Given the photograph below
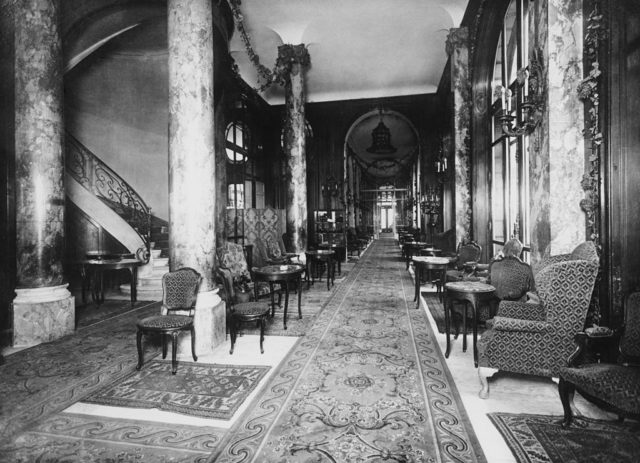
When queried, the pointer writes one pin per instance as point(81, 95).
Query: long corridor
point(360, 378)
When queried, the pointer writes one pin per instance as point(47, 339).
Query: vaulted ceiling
point(358, 48)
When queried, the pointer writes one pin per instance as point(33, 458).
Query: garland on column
point(589, 92)
point(266, 74)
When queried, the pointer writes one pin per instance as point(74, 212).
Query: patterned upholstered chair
point(468, 253)
point(238, 313)
point(613, 386)
point(231, 256)
point(179, 295)
point(537, 339)
point(268, 252)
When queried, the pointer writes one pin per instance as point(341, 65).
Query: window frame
point(514, 203)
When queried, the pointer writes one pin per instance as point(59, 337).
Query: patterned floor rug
point(210, 391)
point(367, 383)
point(83, 438)
point(540, 438)
point(44, 379)
point(90, 313)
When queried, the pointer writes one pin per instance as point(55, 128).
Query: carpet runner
point(540, 438)
point(368, 383)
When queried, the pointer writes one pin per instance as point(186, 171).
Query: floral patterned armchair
point(231, 257)
point(614, 386)
point(537, 338)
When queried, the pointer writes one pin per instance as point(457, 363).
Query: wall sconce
point(533, 104)
point(330, 188)
point(441, 163)
point(430, 202)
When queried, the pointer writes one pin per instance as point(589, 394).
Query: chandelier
point(381, 139)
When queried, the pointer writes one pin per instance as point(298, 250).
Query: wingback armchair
point(537, 338)
point(614, 386)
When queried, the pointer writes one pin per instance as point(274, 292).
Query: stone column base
point(42, 315)
point(210, 323)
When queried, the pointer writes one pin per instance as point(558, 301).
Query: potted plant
point(242, 288)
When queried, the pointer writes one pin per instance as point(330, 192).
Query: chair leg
point(566, 391)
point(483, 375)
point(262, 323)
point(164, 345)
point(193, 344)
point(139, 346)
point(233, 331)
point(174, 351)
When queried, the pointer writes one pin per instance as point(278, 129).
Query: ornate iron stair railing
point(97, 177)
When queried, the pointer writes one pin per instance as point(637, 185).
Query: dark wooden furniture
point(411, 248)
point(340, 253)
point(317, 260)
point(431, 264)
point(473, 292)
point(614, 386)
point(93, 270)
point(241, 312)
point(285, 275)
point(179, 295)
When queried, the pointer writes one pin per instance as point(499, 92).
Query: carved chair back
point(180, 290)
point(468, 251)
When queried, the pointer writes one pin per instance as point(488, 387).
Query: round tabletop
point(279, 271)
point(470, 287)
point(321, 252)
point(431, 260)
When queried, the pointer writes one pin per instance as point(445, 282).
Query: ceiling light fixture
point(381, 139)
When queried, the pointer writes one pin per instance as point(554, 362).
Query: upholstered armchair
point(613, 386)
point(268, 252)
point(468, 252)
point(231, 256)
point(537, 338)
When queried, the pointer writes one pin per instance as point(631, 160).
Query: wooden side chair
point(179, 295)
point(614, 386)
point(242, 312)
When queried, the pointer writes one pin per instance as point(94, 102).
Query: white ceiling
point(358, 48)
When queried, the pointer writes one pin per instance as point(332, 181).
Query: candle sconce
point(430, 205)
point(442, 164)
point(533, 104)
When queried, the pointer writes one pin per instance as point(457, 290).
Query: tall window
point(237, 147)
point(510, 155)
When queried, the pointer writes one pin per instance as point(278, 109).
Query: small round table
point(410, 248)
point(438, 264)
point(314, 258)
point(340, 253)
point(284, 274)
point(473, 292)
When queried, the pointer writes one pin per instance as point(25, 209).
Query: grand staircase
point(116, 207)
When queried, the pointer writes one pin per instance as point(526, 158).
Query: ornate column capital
point(457, 37)
point(290, 55)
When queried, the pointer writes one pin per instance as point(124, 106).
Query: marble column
point(458, 49)
point(557, 145)
point(43, 309)
point(192, 161)
point(292, 62)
